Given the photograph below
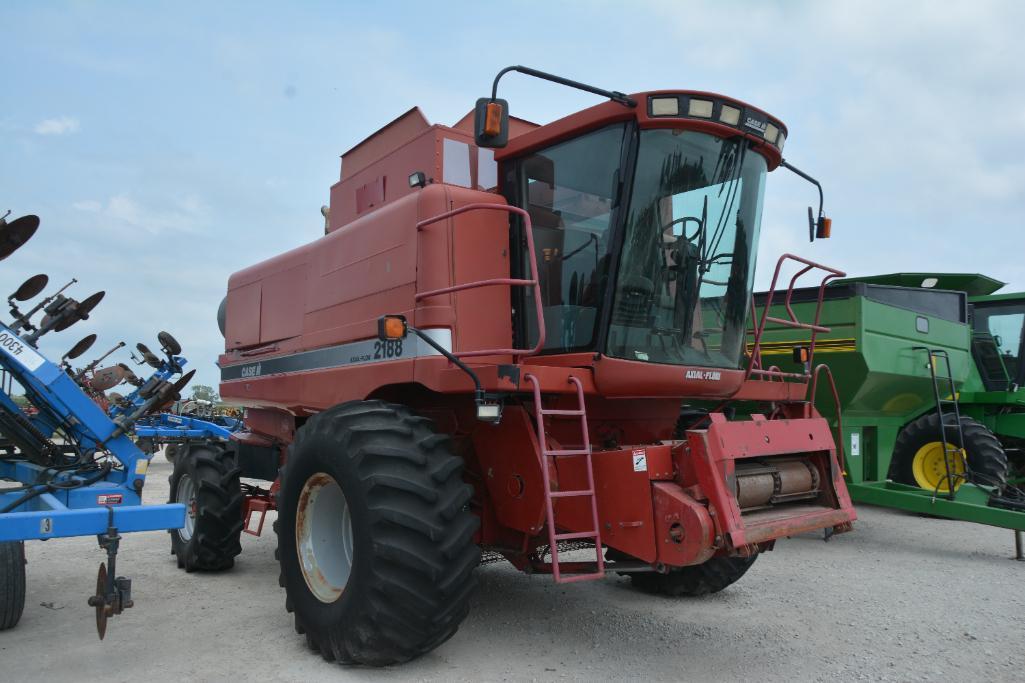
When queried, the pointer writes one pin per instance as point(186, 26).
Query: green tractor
point(930, 389)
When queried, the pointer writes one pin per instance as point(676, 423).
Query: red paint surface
point(375, 260)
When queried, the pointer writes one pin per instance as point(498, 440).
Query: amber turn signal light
point(825, 227)
point(391, 327)
point(801, 354)
point(493, 119)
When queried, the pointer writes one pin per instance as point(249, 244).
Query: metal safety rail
point(754, 366)
point(840, 452)
point(491, 282)
point(554, 536)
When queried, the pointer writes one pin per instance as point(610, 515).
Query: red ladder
point(553, 535)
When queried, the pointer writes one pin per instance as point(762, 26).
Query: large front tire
point(206, 481)
point(375, 540)
point(12, 583)
point(918, 455)
point(710, 576)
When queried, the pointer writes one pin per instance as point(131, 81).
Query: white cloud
point(88, 205)
point(122, 214)
point(62, 125)
point(918, 145)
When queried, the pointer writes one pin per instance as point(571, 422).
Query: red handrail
point(754, 366)
point(836, 401)
point(533, 282)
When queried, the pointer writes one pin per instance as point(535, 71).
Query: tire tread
point(423, 550)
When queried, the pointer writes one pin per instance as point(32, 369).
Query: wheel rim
point(930, 470)
point(186, 495)
point(323, 537)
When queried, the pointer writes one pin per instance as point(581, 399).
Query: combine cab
point(489, 350)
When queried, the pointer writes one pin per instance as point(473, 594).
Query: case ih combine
point(491, 349)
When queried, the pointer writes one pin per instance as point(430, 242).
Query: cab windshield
point(1004, 326)
point(686, 269)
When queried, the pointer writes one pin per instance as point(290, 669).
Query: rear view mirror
point(491, 122)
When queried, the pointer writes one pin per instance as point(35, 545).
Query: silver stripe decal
point(354, 353)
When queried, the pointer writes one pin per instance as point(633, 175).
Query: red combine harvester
point(524, 339)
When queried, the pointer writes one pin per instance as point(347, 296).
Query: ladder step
point(573, 578)
point(576, 534)
point(566, 452)
point(567, 494)
point(577, 413)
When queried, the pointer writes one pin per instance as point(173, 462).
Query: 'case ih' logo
point(707, 375)
point(756, 124)
point(251, 371)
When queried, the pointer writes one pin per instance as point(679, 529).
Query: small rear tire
point(206, 481)
point(12, 583)
point(375, 540)
point(172, 450)
point(700, 579)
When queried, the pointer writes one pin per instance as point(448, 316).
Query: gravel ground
point(901, 598)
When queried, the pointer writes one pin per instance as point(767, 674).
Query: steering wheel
point(683, 220)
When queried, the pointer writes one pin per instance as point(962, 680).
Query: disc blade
point(80, 312)
point(148, 356)
point(31, 287)
point(174, 391)
point(81, 347)
point(101, 601)
point(16, 233)
point(87, 306)
point(183, 380)
point(107, 378)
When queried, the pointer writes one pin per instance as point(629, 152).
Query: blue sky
point(166, 145)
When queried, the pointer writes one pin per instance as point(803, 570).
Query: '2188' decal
point(387, 349)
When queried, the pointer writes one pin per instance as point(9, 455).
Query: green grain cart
point(931, 390)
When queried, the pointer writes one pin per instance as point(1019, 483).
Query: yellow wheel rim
point(930, 469)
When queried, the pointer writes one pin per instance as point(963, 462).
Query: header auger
point(519, 339)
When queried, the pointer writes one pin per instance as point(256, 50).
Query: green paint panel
point(884, 383)
point(971, 283)
point(969, 506)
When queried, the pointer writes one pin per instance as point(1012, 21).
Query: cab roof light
point(750, 121)
point(665, 106)
point(730, 115)
point(700, 108)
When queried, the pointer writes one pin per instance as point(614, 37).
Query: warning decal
point(640, 460)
